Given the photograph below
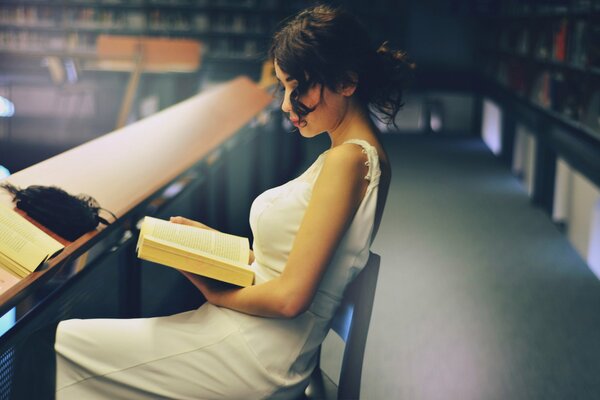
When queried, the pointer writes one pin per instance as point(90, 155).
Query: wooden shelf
point(81, 54)
point(219, 58)
point(241, 29)
point(541, 13)
point(545, 62)
point(550, 115)
point(146, 5)
point(167, 30)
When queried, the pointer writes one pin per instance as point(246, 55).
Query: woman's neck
point(356, 124)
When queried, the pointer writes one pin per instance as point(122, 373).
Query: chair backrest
point(351, 323)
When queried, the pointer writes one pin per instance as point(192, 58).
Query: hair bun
point(393, 74)
point(397, 60)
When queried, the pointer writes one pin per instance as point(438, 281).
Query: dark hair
point(329, 46)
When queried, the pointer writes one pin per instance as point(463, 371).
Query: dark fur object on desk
point(66, 215)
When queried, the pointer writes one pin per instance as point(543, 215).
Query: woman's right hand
point(190, 222)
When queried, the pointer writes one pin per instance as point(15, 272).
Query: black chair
point(351, 323)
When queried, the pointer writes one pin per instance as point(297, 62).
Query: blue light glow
point(7, 321)
point(7, 108)
point(4, 172)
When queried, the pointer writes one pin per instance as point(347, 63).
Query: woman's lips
point(295, 122)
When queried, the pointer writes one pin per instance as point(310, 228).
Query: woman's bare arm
point(336, 195)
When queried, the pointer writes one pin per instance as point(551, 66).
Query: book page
point(15, 243)
point(196, 262)
point(230, 247)
point(169, 249)
point(7, 280)
point(12, 221)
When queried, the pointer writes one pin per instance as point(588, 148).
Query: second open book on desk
point(200, 251)
point(23, 246)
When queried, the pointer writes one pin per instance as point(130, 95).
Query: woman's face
point(329, 112)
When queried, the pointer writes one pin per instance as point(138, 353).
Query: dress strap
point(372, 159)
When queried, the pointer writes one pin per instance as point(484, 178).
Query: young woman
point(311, 237)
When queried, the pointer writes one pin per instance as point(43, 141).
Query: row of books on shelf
point(232, 48)
point(89, 17)
point(576, 42)
point(569, 95)
point(214, 4)
point(25, 42)
point(558, 7)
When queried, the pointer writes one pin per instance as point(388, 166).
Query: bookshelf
point(38, 34)
point(547, 53)
point(540, 64)
point(229, 29)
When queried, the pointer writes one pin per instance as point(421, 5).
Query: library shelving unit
point(233, 36)
point(38, 37)
point(231, 30)
point(542, 67)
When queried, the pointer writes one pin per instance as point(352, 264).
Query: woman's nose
point(286, 105)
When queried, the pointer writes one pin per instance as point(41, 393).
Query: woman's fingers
point(179, 220)
point(187, 221)
point(184, 221)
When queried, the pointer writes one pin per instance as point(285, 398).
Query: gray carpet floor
point(479, 296)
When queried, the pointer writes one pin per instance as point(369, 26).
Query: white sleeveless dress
point(215, 352)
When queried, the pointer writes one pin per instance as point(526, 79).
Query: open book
point(200, 251)
point(23, 246)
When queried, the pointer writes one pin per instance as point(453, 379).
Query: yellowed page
point(230, 247)
point(241, 276)
point(172, 248)
point(14, 222)
point(7, 280)
point(14, 267)
point(15, 240)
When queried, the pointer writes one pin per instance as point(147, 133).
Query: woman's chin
point(302, 130)
point(307, 133)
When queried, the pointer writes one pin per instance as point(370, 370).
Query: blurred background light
point(4, 172)
point(7, 108)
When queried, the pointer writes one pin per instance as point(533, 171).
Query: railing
point(203, 158)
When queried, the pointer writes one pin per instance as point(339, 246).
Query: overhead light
point(7, 108)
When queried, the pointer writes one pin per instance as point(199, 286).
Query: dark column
point(545, 170)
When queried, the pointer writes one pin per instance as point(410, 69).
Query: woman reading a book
point(311, 238)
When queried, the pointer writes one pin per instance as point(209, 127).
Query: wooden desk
point(125, 168)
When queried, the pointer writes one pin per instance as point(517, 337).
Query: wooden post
point(132, 85)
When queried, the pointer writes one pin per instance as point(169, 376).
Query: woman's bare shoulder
point(346, 160)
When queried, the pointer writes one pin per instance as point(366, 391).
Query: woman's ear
point(348, 88)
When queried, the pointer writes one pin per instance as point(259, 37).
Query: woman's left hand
point(211, 289)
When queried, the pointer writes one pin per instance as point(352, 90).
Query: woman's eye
point(279, 89)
